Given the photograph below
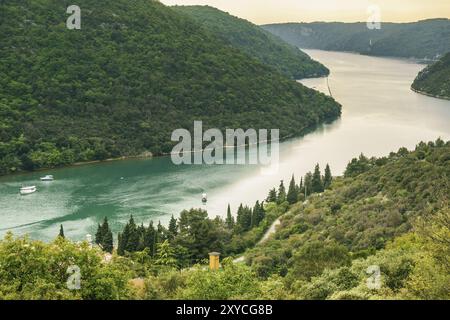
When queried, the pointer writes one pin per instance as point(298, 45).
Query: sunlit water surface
point(380, 114)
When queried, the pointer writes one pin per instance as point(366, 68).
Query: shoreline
point(429, 94)
point(149, 155)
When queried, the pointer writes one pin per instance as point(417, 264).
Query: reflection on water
point(380, 114)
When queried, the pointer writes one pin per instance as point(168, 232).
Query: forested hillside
point(389, 214)
point(136, 71)
point(427, 39)
point(256, 42)
point(384, 212)
point(434, 80)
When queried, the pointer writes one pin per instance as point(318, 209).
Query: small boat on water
point(28, 190)
point(48, 177)
point(204, 198)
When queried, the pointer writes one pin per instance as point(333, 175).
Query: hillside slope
point(352, 225)
point(256, 42)
point(388, 215)
point(427, 39)
point(434, 80)
point(135, 72)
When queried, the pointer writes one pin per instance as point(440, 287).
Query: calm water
point(380, 114)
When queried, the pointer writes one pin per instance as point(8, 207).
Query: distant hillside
point(434, 80)
point(425, 39)
point(256, 42)
point(136, 71)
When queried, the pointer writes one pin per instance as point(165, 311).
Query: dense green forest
point(434, 80)
point(389, 214)
point(426, 39)
point(256, 42)
point(136, 71)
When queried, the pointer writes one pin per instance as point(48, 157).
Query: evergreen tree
point(173, 228)
point(272, 197)
point(120, 245)
point(99, 235)
point(327, 178)
point(230, 219)
point(141, 234)
point(149, 238)
point(162, 232)
point(129, 238)
point(165, 255)
point(281, 193)
point(308, 184)
point(316, 183)
point(244, 218)
point(61, 232)
point(108, 242)
point(258, 214)
point(292, 195)
point(104, 237)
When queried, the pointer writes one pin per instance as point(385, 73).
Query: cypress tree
point(149, 238)
point(308, 184)
point(247, 218)
point(258, 214)
point(120, 245)
point(108, 242)
point(230, 219)
point(272, 197)
point(316, 183)
point(99, 235)
point(327, 178)
point(104, 237)
point(292, 195)
point(141, 234)
point(173, 228)
point(161, 232)
point(61, 232)
point(244, 218)
point(281, 193)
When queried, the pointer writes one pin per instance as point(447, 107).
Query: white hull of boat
point(28, 190)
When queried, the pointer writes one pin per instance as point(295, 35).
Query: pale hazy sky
point(269, 11)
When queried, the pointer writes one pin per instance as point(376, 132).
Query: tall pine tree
point(173, 228)
point(308, 184)
point(281, 193)
point(316, 183)
point(272, 197)
point(258, 214)
point(244, 219)
point(61, 232)
point(230, 219)
point(292, 195)
point(327, 177)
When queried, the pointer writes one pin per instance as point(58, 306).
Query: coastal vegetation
point(434, 80)
point(120, 85)
point(389, 214)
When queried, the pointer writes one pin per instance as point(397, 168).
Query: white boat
point(204, 198)
point(48, 177)
point(27, 190)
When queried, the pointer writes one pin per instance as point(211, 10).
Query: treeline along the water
point(136, 71)
point(435, 79)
